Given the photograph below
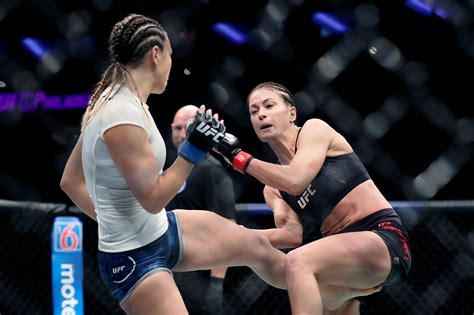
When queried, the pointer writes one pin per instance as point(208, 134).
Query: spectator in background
point(210, 187)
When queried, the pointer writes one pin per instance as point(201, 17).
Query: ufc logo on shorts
point(304, 199)
point(118, 269)
point(209, 131)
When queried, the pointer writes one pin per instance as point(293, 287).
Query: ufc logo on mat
point(209, 131)
point(304, 199)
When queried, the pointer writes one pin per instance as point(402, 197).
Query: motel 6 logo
point(68, 237)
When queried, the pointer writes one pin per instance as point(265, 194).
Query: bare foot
point(334, 296)
point(351, 307)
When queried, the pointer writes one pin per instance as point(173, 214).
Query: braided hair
point(129, 41)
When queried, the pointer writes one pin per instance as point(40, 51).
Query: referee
point(209, 186)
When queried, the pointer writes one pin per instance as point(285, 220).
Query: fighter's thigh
point(210, 240)
point(357, 260)
point(156, 294)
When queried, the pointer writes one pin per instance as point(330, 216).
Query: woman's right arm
point(132, 153)
point(289, 231)
point(73, 182)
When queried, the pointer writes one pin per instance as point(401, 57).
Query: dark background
point(412, 124)
point(398, 85)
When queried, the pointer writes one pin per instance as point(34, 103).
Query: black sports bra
point(337, 177)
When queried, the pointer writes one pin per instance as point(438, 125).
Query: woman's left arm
point(313, 144)
point(73, 182)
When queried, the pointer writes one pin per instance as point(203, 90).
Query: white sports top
point(123, 223)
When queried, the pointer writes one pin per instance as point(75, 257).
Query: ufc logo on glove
point(209, 131)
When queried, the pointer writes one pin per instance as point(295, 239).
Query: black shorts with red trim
point(387, 224)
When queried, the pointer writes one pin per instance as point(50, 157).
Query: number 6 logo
point(69, 240)
point(67, 236)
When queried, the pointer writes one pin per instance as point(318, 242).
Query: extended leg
point(211, 241)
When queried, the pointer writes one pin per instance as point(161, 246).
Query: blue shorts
point(123, 271)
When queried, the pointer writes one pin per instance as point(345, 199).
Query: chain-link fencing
point(441, 280)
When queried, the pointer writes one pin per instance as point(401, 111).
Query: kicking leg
point(210, 241)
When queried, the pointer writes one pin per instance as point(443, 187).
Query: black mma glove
point(215, 296)
point(202, 134)
point(229, 147)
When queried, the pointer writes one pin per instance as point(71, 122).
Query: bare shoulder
point(316, 130)
point(320, 131)
point(315, 123)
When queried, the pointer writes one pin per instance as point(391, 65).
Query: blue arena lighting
point(230, 32)
point(442, 13)
point(330, 23)
point(427, 9)
point(420, 7)
point(34, 46)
